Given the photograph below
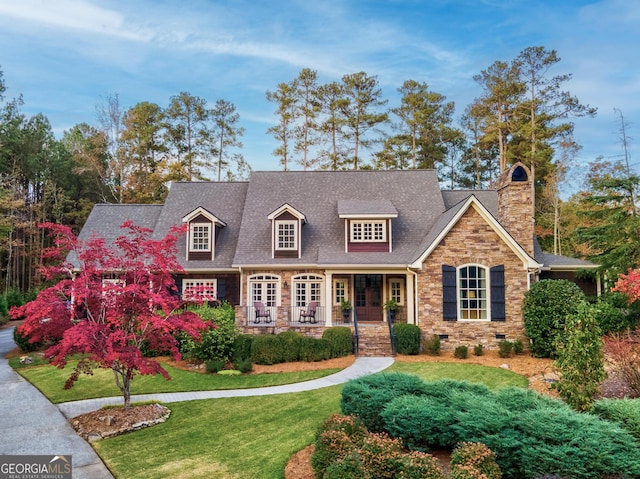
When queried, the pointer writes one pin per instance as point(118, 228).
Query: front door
point(368, 296)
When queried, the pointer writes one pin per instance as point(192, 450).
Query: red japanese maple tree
point(109, 301)
point(629, 284)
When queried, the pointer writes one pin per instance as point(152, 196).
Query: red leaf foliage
point(108, 320)
point(629, 284)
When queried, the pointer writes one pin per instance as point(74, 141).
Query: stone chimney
point(515, 205)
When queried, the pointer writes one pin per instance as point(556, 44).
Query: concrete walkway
point(30, 424)
point(362, 366)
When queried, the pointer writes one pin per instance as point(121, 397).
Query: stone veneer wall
point(515, 207)
point(471, 241)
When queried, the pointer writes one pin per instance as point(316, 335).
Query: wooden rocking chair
point(261, 311)
point(309, 314)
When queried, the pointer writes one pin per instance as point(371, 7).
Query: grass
point(234, 438)
point(492, 377)
point(50, 381)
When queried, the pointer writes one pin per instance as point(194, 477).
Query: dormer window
point(367, 225)
point(368, 231)
point(286, 227)
point(201, 237)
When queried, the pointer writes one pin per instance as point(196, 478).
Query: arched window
point(307, 288)
point(264, 288)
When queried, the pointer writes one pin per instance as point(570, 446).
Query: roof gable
point(287, 207)
point(207, 214)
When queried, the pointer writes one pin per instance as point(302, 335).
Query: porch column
point(328, 298)
point(410, 299)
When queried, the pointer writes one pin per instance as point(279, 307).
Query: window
point(307, 288)
point(205, 289)
point(286, 235)
point(200, 237)
point(396, 291)
point(264, 288)
point(368, 231)
point(340, 291)
point(472, 292)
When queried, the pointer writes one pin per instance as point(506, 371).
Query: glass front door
point(368, 297)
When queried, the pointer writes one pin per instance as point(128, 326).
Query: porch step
point(373, 340)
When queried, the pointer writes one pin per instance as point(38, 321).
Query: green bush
point(614, 314)
point(340, 341)
point(381, 456)
point(312, 349)
point(531, 437)
point(472, 460)
point(291, 344)
point(461, 352)
point(22, 341)
point(581, 359)
point(505, 349)
point(478, 350)
point(545, 308)
point(432, 345)
point(625, 412)
point(349, 467)
point(407, 338)
point(214, 365)
point(243, 365)
point(216, 342)
point(420, 465)
point(242, 347)
point(266, 349)
point(518, 347)
point(366, 397)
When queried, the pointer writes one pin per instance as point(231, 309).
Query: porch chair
point(261, 311)
point(309, 314)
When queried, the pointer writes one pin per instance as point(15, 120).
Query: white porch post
point(410, 299)
point(328, 298)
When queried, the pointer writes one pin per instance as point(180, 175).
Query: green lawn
point(50, 380)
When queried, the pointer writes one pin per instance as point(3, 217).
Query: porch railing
point(301, 316)
point(266, 318)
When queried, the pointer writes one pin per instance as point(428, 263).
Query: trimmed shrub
point(461, 352)
point(291, 344)
point(381, 456)
point(23, 343)
point(336, 438)
point(367, 397)
point(505, 349)
point(214, 365)
point(545, 308)
point(420, 465)
point(242, 347)
point(217, 342)
point(407, 338)
point(625, 412)
point(312, 349)
point(473, 460)
point(520, 400)
point(349, 467)
point(432, 345)
point(518, 347)
point(614, 314)
point(243, 365)
point(478, 350)
point(340, 341)
point(266, 349)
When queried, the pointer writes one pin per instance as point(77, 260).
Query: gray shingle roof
point(554, 261)
point(366, 207)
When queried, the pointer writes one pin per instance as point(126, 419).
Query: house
point(287, 248)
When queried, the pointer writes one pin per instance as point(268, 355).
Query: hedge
point(407, 338)
point(340, 341)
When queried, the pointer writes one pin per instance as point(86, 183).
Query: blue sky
point(65, 56)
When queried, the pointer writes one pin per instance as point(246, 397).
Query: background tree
point(478, 163)
point(285, 99)
point(110, 115)
point(331, 128)
point(107, 322)
point(308, 107)
point(224, 134)
point(361, 110)
point(610, 228)
point(186, 118)
point(143, 147)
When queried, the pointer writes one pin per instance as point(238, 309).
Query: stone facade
point(515, 205)
point(471, 241)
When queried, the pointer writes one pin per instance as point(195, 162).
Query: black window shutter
point(449, 293)
point(222, 290)
point(498, 312)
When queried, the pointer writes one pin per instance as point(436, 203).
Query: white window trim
point(308, 278)
point(345, 281)
point(294, 223)
point(383, 239)
point(487, 300)
point(263, 279)
point(209, 228)
point(200, 283)
point(402, 292)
